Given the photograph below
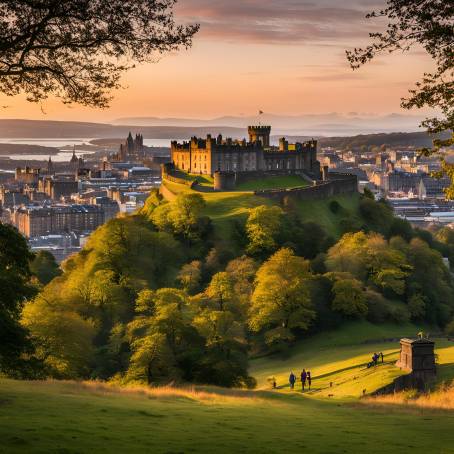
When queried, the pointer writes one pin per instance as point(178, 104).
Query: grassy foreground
point(69, 417)
point(72, 418)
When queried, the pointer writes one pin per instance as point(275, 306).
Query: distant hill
point(35, 129)
point(7, 149)
point(399, 139)
point(72, 129)
point(327, 124)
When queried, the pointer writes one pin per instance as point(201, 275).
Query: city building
point(58, 185)
point(27, 175)
point(430, 187)
point(39, 220)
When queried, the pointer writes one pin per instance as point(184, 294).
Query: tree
point(225, 360)
point(349, 298)
point(182, 217)
point(190, 276)
point(281, 300)
point(160, 336)
point(262, 228)
point(370, 259)
point(14, 289)
point(44, 267)
point(77, 50)
point(62, 337)
point(220, 290)
point(427, 23)
point(242, 273)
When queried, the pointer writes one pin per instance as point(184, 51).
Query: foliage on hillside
point(158, 296)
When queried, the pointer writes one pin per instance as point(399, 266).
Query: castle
point(210, 156)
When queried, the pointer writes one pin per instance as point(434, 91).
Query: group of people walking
point(306, 378)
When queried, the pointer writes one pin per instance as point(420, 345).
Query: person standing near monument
point(309, 379)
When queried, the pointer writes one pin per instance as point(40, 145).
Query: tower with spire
point(50, 166)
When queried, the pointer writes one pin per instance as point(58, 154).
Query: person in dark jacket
point(292, 380)
point(309, 379)
point(303, 379)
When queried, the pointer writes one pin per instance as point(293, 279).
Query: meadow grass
point(439, 399)
point(273, 182)
point(319, 211)
point(49, 417)
point(92, 417)
point(338, 360)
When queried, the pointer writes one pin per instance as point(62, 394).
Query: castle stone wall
point(340, 184)
point(224, 181)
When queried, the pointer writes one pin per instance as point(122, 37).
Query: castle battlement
point(210, 155)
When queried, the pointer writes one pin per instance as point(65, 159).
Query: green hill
point(224, 208)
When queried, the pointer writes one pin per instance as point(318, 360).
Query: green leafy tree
point(225, 360)
point(262, 228)
point(349, 298)
point(220, 290)
point(160, 336)
point(370, 259)
point(242, 272)
point(281, 300)
point(14, 289)
point(181, 217)
point(78, 50)
point(417, 306)
point(431, 279)
point(44, 267)
point(63, 339)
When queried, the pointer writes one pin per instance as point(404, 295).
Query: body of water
point(59, 143)
point(64, 155)
point(61, 156)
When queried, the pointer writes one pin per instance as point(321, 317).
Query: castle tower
point(260, 134)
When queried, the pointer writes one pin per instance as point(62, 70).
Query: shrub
point(335, 206)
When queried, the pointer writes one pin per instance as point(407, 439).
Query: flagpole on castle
point(260, 113)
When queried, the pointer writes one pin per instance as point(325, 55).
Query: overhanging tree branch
point(77, 50)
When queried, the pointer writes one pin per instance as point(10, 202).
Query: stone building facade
point(211, 155)
point(34, 221)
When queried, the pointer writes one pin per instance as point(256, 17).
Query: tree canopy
point(15, 288)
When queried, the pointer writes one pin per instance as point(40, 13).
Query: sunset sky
point(280, 56)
